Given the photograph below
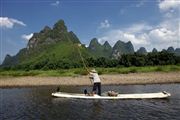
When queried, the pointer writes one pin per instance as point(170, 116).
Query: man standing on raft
point(96, 80)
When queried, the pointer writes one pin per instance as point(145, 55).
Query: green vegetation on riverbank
point(81, 71)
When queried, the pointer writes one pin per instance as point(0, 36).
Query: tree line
point(128, 60)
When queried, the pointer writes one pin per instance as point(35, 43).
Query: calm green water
point(37, 104)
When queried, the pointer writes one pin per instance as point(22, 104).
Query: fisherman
point(96, 80)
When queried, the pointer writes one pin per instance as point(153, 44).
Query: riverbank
point(107, 79)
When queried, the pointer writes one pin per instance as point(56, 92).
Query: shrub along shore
point(80, 71)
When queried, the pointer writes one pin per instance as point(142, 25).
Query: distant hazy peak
point(142, 50)
point(106, 43)
point(94, 40)
point(154, 50)
point(170, 49)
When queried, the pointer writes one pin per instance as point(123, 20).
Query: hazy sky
point(147, 23)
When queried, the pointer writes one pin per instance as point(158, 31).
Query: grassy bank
point(80, 71)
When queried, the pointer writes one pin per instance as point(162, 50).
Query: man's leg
point(99, 89)
point(94, 87)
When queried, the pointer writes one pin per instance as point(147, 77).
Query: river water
point(37, 104)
